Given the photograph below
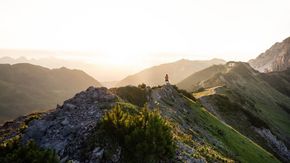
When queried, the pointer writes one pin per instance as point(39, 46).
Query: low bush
point(14, 152)
point(143, 137)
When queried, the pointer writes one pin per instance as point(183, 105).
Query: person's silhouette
point(166, 79)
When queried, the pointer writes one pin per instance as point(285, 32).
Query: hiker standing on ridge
point(166, 79)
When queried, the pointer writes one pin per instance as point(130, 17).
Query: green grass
point(244, 149)
point(248, 89)
point(268, 104)
point(266, 100)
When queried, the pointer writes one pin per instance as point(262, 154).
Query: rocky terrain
point(198, 134)
point(277, 58)
point(66, 128)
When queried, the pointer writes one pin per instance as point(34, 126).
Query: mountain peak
point(287, 40)
point(277, 58)
point(183, 60)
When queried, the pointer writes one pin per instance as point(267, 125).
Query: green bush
point(144, 137)
point(14, 152)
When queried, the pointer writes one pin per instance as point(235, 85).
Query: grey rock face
point(274, 143)
point(97, 155)
point(66, 128)
point(11, 129)
point(277, 58)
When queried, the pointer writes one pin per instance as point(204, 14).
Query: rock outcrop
point(66, 128)
point(274, 143)
point(277, 58)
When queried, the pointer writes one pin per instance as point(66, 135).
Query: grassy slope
point(250, 85)
point(208, 131)
point(279, 80)
point(266, 100)
point(205, 74)
point(245, 150)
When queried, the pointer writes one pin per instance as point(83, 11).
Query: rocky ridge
point(65, 129)
point(277, 58)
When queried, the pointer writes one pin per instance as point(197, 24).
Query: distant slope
point(279, 80)
point(45, 59)
point(277, 58)
point(245, 99)
point(203, 75)
point(27, 88)
point(177, 71)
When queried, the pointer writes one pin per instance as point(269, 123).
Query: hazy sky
point(143, 33)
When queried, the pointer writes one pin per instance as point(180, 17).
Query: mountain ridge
point(177, 71)
point(26, 88)
point(276, 58)
point(240, 96)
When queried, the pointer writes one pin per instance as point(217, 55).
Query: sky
point(132, 34)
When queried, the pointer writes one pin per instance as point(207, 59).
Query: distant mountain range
point(277, 58)
point(177, 71)
point(54, 63)
point(27, 88)
point(55, 59)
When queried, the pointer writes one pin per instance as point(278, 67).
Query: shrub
point(144, 137)
point(13, 151)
